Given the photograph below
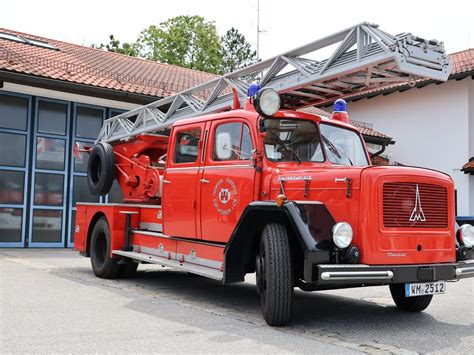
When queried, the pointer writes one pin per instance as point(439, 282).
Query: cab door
point(227, 178)
point(180, 184)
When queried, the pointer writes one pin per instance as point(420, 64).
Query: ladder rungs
point(363, 50)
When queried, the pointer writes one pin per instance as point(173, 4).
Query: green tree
point(114, 45)
point(236, 51)
point(187, 41)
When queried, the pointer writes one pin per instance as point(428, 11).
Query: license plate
point(429, 288)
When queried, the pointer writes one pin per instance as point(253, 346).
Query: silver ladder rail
point(365, 58)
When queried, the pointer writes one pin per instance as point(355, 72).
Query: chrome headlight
point(342, 234)
point(465, 235)
point(267, 102)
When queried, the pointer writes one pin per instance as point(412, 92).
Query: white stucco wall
point(471, 142)
point(431, 127)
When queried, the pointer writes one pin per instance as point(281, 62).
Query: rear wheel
point(275, 275)
point(409, 304)
point(128, 270)
point(103, 265)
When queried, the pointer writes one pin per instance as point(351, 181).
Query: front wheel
point(409, 304)
point(275, 275)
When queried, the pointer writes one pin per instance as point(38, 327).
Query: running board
point(175, 264)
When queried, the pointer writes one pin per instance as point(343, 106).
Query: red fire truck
point(228, 179)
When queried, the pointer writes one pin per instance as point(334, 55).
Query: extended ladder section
point(359, 58)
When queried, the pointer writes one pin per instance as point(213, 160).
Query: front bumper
point(359, 274)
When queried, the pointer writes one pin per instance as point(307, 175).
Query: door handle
point(204, 181)
point(166, 181)
point(348, 182)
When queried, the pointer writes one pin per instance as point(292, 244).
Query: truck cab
point(284, 194)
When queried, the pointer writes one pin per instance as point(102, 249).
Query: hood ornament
point(417, 214)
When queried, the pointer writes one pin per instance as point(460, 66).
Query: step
point(175, 264)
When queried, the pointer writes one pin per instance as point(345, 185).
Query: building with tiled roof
point(82, 68)
point(433, 124)
point(54, 94)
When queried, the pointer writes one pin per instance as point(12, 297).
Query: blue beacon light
point(340, 105)
point(253, 89)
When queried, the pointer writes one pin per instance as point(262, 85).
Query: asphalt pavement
point(51, 302)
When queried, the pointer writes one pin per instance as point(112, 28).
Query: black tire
point(275, 275)
point(103, 265)
point(409, 304)
point(101, 169)
point(128, 270)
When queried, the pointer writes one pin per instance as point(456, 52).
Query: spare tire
point(101, 169)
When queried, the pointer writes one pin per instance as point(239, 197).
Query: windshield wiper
point(334, 150)
point(332, 147)
point(285, 147)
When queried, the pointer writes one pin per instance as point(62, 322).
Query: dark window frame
point(349, 129)
point(53, 102)
point(25, 169)
point(318, 133)
point(242, 130)
point(177, 137)
point(28, 112)
point(72, 172)
point(64, 173)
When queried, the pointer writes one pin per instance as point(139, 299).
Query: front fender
point(309, 225)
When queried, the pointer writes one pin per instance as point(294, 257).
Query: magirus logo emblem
point(417, 214)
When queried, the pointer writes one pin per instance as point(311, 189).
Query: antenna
point(258, 30)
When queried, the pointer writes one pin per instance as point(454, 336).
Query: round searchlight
point(342, 234)
point(267, 102)
point(466, 235)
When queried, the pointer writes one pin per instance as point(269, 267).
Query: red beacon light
point(340, 111)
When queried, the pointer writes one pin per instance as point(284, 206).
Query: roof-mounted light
point(253, 89)
point(340, 105)
point(267, 102)
point(340, 111)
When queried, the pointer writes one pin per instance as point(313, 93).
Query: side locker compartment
point(151, 244)
point(87, 216)
point(151, 219)
point(202, 254)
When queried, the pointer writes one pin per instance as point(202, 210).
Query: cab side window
point(186, 148)
point(232, 141)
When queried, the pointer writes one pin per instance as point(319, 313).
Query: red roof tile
point(95, 67)
point(363, 128)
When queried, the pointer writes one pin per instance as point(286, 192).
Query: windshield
point(343, 146)
point(292, 140)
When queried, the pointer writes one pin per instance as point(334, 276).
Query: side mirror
point(223, 146)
